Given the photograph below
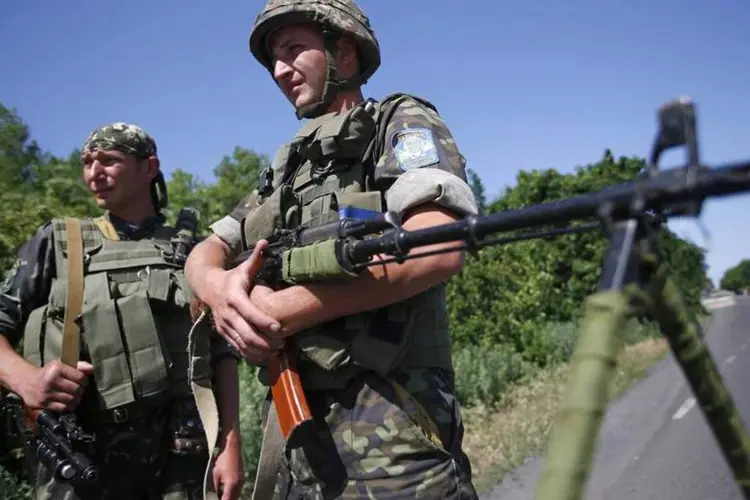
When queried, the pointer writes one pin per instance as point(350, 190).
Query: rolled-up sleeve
point(431, 185)
point(229, 227)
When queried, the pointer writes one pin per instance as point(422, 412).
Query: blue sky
point(522, 84)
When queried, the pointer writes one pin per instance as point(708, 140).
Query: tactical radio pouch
point(182, 242)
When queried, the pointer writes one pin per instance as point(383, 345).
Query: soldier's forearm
point(303, 306)
point(204, 265)
point(226, 381)
point(13, 368)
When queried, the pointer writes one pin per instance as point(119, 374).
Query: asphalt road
point(655, 442)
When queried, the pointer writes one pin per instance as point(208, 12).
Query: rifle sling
point(271, 452)
point(71, 336)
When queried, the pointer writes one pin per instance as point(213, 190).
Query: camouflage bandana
point(123, 137)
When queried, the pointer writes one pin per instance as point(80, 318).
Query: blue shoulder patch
point(414, 148)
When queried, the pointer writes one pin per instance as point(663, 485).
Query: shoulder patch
point(414, 148)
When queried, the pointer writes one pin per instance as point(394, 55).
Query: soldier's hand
point(56, 387)
point(228, 473)
point(240, 321)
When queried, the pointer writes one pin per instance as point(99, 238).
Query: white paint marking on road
point(730, 360)
point(718, 303)
point(684, 409)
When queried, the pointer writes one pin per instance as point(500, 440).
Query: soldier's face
point(299, 61)
point(117, 179)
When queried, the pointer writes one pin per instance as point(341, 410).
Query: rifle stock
point(286, 387)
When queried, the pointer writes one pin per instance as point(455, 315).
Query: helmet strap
point(333, 85)
point(159, 197)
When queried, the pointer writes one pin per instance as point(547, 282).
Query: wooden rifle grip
point(286, 388)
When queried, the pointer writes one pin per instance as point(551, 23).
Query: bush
point(13, 487)
point(482, 374)
point(252, 395)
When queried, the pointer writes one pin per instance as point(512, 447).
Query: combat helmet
point(336, 17)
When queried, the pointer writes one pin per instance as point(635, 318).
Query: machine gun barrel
point(665, 192)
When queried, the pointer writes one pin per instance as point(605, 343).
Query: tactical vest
point(330, 171)
point(135, 317)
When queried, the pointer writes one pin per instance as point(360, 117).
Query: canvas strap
point(71, 337)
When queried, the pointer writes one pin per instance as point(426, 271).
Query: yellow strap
point(107, 229)
point(418, 413)
point(71, 337)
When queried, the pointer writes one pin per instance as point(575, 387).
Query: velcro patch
point(414, 148)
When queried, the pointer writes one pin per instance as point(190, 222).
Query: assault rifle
point(55, 441)
point(635, 281)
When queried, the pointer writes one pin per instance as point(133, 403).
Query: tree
point(35, 186)
point(236, 177)
point(508, 293)
point(736, 278)
point(477, 187)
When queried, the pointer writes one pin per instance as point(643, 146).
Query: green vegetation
point(737, 278)
point(514, 309)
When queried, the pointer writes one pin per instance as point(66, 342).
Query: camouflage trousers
point(144, 458)
point(381, 440)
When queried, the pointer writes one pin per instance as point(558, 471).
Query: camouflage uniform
point(372, 440)
point(141, 453)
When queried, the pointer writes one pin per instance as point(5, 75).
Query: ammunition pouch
point(337, 137)
point(276, 211)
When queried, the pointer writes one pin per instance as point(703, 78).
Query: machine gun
point(54, 441)
point(635, 282)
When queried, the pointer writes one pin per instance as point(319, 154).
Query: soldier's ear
point(152, 165)
point(346, 56)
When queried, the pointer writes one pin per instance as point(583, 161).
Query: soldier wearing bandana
point(128, 382)
point(373, 348)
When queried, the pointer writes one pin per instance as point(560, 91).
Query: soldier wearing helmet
point(373, 348)
point(121, 367)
